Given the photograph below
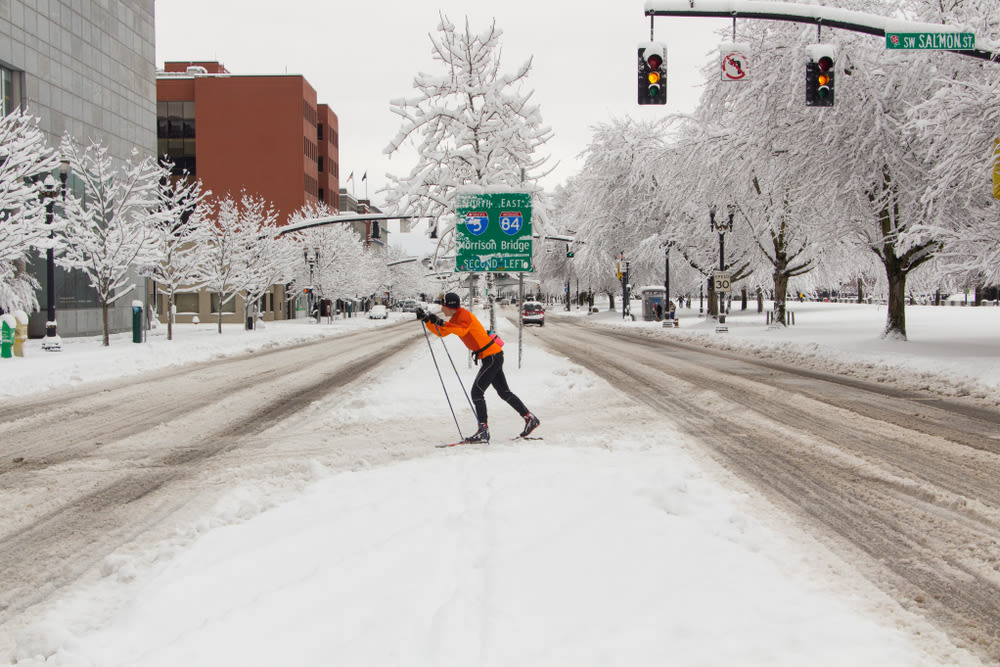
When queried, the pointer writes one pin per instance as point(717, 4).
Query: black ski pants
point(491, 373)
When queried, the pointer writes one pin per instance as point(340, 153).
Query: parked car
point(408, 305)
point(533, 313)
point(378, 312)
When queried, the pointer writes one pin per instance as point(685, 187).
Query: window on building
point(175, 135)
point(319, 164)
point(319, 132)
point(266, 304)
point(10, 90)
point(322, 195)
point(309, 113)
point(309, 148)
point(228, 307)
point(186, 303)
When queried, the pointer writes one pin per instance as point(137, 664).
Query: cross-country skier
point(488, 352)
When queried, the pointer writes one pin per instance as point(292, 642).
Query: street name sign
point(941, 41)
point(493, 232)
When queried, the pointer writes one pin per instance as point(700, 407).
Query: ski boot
point(531, 422)
point(480, 436)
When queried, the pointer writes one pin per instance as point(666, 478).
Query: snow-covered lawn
point(614, 541)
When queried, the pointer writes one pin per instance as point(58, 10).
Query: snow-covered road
point(901, 483)
point(87, 470)
point(288, 507)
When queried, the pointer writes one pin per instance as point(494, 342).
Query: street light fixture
point(311, 258)
point(48, 192)
point(722, 228)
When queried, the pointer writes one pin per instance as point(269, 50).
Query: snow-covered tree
point(266, 259)
point(180, 239)
point(958, 123)
point(339, 259)
point(108, 230)
point(233, 243)
point(24, 159)
point(470, 124)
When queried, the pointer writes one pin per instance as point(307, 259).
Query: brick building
point(263, 133)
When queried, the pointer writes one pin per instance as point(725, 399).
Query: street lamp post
point(49, 191)
point(722, 228)
point(666, 277)
point(311, 257)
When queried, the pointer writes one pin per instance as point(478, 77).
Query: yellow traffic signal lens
point(824, 79)
point(654, 77)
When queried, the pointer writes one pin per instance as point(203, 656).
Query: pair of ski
point(464, 442)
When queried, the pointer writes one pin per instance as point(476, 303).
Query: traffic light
point(820, 77)
point(652, 73)
point(569, 251)
point(376, 233)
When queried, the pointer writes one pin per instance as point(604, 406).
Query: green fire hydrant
point(7, 336)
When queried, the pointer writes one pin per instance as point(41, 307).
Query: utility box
point(137, 321)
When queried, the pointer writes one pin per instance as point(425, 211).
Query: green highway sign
point(942, 41)
point(493, 232)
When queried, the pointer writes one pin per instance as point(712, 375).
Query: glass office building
point(85, 68)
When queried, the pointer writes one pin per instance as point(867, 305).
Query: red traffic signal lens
point(654, 61)
point(825, 63)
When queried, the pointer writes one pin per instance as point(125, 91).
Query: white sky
point(358, 56)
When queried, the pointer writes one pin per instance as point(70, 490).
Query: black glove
point(435, 320)
point(421, 315)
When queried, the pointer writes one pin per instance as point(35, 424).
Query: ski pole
point(446, 397)
point(460, 383)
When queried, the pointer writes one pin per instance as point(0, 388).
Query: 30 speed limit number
point(722, 281)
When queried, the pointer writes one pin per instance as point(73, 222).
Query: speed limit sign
point(722, 281)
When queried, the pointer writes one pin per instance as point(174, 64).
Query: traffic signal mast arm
point(830, 17)
point(334, 219)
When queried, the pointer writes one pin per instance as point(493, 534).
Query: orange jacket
point(467, 326)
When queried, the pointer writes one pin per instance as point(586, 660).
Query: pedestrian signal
point(652, 73)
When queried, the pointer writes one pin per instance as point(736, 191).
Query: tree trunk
point(760, 300)
point(744, 298)
point(219, 318)
point(611, 297)
point(104, 315)
point(170, 315)
point(861, 291)
point(780, 293)
point(895, 323)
